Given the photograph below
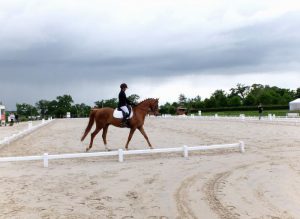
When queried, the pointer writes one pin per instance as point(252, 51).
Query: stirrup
point(125, 124)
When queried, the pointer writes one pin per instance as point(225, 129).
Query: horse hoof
point(87, 150)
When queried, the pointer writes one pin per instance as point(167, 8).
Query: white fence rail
point(20, 134)
point(121, 153)
point(241, 117)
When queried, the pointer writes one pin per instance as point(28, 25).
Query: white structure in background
point(295, 105)
point(68, 115)
point(2, 115)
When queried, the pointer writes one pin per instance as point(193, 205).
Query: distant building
point(181, 111)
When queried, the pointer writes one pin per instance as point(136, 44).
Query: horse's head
point(154, 106)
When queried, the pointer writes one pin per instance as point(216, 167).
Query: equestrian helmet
point(123, 86)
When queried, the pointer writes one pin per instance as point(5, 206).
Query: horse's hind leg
point(93, 135)
point(104, 136)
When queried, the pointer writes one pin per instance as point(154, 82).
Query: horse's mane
point(143, 101)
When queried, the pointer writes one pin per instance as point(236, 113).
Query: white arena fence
point(20, 134)
point(121, 153)
point(241, 117)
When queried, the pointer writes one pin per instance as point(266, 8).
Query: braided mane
point(144, 101)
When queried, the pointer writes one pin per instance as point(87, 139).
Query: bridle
point(154, 109)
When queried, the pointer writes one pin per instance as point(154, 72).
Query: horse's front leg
point(104, 137)
point(145, 136)
point(132, 130)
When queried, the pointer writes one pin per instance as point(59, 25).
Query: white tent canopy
point(295, 104)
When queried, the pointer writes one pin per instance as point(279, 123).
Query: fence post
point(270, 116)
point(45, 158)
point(5, 141)
point(185, 151)
point(121, 155)
point(29, 124)
point(242, 146)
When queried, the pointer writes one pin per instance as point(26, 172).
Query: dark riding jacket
point(123, 101)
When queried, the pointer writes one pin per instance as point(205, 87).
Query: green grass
point(248, 113)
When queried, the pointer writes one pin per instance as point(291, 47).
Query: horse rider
point(124, 103)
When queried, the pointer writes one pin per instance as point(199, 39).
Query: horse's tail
point(90, 125)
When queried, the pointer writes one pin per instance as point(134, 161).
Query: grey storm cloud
point(268, 43)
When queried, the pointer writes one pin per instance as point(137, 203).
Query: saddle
point(119, 115)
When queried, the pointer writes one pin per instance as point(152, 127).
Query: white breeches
point(125, 109)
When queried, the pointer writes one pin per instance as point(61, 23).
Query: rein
point(141, 108)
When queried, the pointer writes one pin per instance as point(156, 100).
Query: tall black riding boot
point(123, 123)
point(127, 120)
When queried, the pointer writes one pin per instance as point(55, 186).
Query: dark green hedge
point(241, 108)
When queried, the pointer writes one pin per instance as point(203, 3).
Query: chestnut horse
point(104, 117)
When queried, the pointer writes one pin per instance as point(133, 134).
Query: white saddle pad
point(119, 115)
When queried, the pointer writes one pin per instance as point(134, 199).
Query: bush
point(244, 108)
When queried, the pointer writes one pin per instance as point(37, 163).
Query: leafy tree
point(80, 110)
point(134, 98)
point(250, 100)
point(220, 98)
point(26, 110)
point(241, 90)
point(210, 103)
point(234, 101)
point(53, 108)
point(64, 105)
point(167, 108)
point(182, 100)
point(297, 93)
point(265, 98)
point(195, 103)
point(256, 91)
point(113, 103)
point(175, 105)
point(99, 104)
point(42, 107)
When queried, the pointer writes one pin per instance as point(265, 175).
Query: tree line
point(237, 97)
point(241, 97)
point(59, 107)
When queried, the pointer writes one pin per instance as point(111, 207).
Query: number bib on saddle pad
point(119, 115)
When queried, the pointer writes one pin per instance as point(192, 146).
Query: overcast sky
point(86, 48)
